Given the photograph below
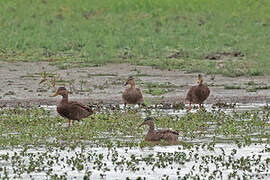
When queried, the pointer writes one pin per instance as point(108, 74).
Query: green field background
point(143, 32)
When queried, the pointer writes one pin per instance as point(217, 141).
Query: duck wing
point(168, 131)
point(140, 97)
point(205, 91)
point(77, 111)
point(190, 94)
point(201, 93)
point(170, 136)
point(63, 111)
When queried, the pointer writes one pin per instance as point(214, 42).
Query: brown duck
point(132, 95)
point(71, 110)
point(198, 94)
point(158, 135)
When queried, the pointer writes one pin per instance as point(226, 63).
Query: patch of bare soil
point(20, 84)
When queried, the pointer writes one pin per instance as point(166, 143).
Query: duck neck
point(132, 85)
point(65, 98)
point(200, 82)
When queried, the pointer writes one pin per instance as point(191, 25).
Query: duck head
point(148, 121)
point(200, 79)
point(130, 81)
point(62, 91)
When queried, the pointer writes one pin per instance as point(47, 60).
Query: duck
point(153, 135)
point(71, 110)
point(198, 94)
point(132, 95)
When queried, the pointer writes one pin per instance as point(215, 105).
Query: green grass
point(159, 85)
point(157, 89)
point(166, 34)
point(250, 86)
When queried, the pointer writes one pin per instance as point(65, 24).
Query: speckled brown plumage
point(132, 95)
point(71, 110)
point(198, 94)
point(158, 135)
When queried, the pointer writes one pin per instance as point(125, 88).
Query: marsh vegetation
point(229, 143)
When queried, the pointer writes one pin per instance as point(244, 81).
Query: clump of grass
point(159, 85)
point(251, 83)
point(224, 105)
point(253, 86)
point(157, 91)
point(256, 88)
point(179, 105)
point(240, 68)
point(250, 86)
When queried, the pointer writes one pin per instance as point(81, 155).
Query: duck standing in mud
point(158, 135)
point(71, 110)
point(132, 95)
point(198, 94)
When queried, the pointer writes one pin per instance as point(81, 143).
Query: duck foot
point(68, 123)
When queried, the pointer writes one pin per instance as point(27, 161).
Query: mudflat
point(20, 84)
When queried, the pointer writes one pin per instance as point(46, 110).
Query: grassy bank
point(228, 37)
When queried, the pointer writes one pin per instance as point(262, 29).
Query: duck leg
point(189, 107)
point(69, 123)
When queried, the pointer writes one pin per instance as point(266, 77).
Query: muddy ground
point(19, 84)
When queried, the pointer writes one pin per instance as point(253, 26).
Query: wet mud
point(20, 84)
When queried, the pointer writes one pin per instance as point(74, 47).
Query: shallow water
point(220, 161)
point(204, 138)
point(171, 111)
point(152, 163)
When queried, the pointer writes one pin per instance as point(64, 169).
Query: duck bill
point(199, 80)
point(55, 94)
point(126, 83)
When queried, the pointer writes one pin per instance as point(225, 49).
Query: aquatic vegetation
point(37, 126)
point(212, 144)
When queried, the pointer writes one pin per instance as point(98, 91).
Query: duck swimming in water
point(158, 135)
